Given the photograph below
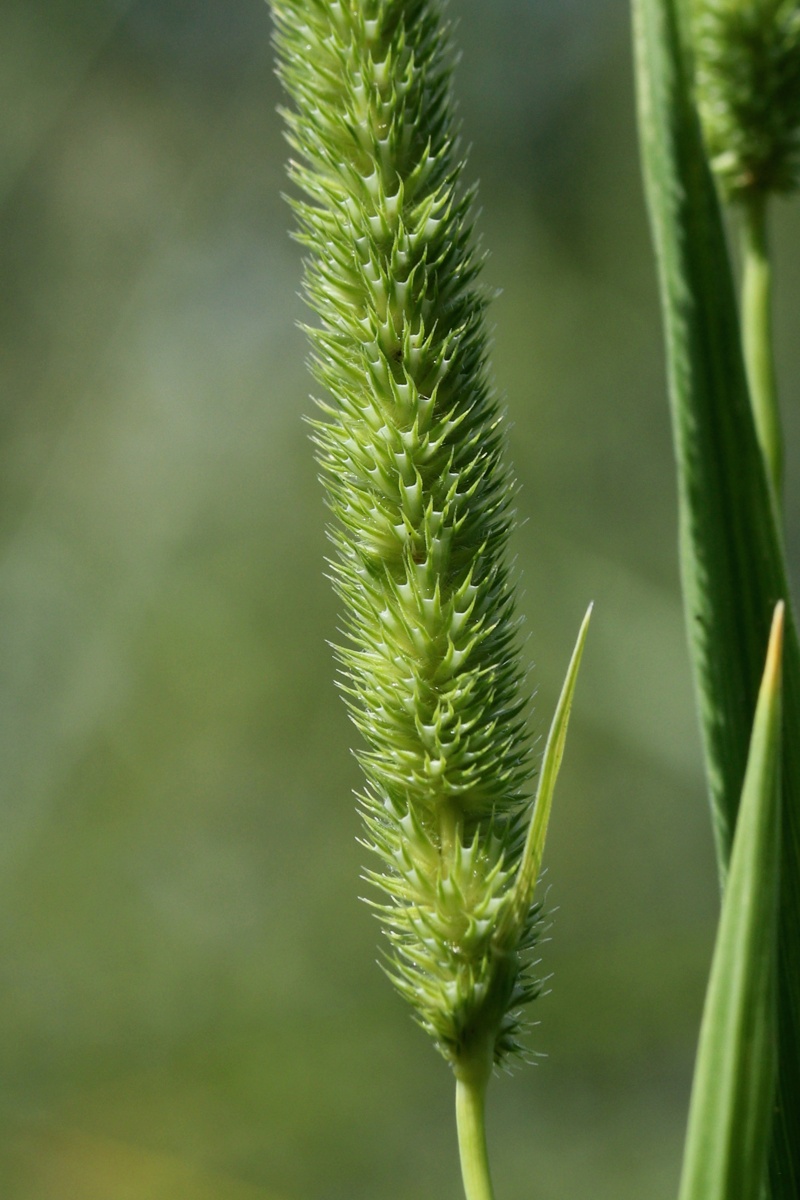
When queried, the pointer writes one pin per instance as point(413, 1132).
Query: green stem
point(757, 333)
point(471, 1079)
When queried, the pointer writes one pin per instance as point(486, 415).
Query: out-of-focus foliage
point(733, 566)
point(181, 1011)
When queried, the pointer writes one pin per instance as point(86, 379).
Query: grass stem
point(757, 333)
point(471, 1084)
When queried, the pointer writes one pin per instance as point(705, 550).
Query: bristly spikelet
point(747, 61)
point(411, 450)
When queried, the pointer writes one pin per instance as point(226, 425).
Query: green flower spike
point(747, 62)
point(747, 77)
point(747, 80)
point(411, 450)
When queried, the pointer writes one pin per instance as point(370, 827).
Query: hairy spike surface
point(747, 58)
point(411, 449)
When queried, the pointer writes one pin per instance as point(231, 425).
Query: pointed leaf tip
point(530, 866)
point(772, 669)
point(734, 1082)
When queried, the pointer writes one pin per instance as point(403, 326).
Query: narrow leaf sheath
point(411, 451)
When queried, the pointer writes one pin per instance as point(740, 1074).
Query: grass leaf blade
point(734, 1083)
point(731, 553)
point(531, 863)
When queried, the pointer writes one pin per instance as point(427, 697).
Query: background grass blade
point(731, 556)
point(734, 1082)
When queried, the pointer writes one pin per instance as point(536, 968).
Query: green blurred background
point(190, 1007)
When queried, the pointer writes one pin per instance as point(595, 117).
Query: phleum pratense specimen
point(411, 448)
point(747, 80)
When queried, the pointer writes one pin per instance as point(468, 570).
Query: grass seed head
point(747, 73)
point(411, 449)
